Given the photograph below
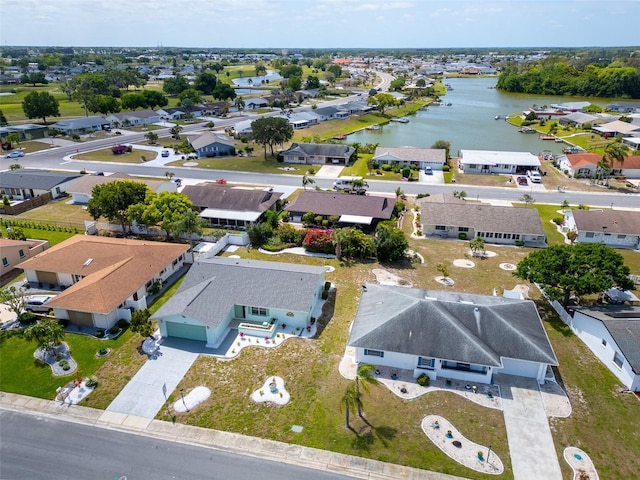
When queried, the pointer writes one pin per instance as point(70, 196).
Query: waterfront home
point(491, 161)
point(450, 335)
point(585, 165)
point(103, 279)
point(317, 153)
point(615, 228)
point(411, 156)
point(226, 296)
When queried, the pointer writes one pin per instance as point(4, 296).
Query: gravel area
point(462, 263)
point(384, 277)
point(50, 358)
point(555, 400)
point(580, 462)
point(443, 434)
point(278, 394)
point(191, 400)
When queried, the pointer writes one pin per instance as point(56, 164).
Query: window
point(604, 342)
point(498, 235)
point(5, 262)
point(622, 236)
point(259, 311)
point(516, 236)
point(617, 359)
point(589, 234)
point(507, 236)
point(426, 362)
point(463, 229)
point(373, 353)
point(21, 253)
point(440, 227)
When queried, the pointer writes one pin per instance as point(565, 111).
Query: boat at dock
point(399, 119)
point(373, 127)
point(501, 117)
point(527, 130)
point(547, 137)
point(558, 140)
point(339, 137)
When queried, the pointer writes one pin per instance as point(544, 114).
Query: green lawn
point(53, 234)
point(106, 155)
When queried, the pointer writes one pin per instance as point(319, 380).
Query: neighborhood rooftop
point(609, 221)
point(34, 179)
point(333, 203)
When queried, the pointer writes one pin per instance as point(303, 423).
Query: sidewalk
point(238, 444)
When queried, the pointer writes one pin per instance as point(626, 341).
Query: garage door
point(519, 367)
point(47, 278)
point(80, 318)
point(183, 330)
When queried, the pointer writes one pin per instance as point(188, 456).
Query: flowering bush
point(319, 241)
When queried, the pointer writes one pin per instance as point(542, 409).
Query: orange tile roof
point(631, 162)
point(112, 269)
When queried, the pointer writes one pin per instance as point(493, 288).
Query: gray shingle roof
point(623, 323)
point(460, 327)
point(230, 198)
point(36, 179)
point(615, 221)
point(212, 287)
point(482, 217)
point(209, 138)
point(320, 150)
point(77, 123)
point(413, 154)
point(334, 203)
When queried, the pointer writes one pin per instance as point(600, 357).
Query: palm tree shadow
point(384, 434)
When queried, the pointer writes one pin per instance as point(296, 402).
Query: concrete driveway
point(533, 455)
point(143, 395)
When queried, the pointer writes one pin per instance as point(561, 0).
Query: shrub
point(519, 243)
point(446, 168)
point(65, 365)
point(386, 167)
point(462, 236)
point(558, 220)
point(318, 241)
point(91, 381)
point(327, 285)
point(122, 323)
point(325, 294)
point(26, 318)
point(422, 195)
point(63, 321)
point(423, 380)
point(115, 329)
point(99, 333)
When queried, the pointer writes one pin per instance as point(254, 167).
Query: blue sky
point(320, 23)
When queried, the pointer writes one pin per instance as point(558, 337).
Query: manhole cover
point(296, 428)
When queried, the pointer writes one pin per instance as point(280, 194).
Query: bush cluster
point(423, 380)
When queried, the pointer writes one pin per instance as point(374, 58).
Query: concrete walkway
point(143, 395)
point(533, 455)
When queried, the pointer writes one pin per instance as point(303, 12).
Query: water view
point(256, 81)
point(469, 123)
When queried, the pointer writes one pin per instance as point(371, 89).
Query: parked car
point(177, 181)
point(15, 154)
point(98, 174)
point(165, 153)
point(38, 303)
point(523, 181)
point(428, 170)
point(534, 175)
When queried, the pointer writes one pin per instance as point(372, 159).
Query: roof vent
point(476, 309)
point(430, 298)
point(466, 302)
point(88, 262)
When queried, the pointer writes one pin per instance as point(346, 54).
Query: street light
point(488, 453)
point(183, 402)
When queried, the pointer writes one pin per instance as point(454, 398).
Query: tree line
point(554, 76)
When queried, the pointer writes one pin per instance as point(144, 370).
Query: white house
point(222, 295)
point(411, 156)
point(485, 161)
point(23, 184)
point(615, 228)
point(450, 335)
point(133, 119)
point(612, 333)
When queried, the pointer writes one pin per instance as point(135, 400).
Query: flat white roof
point(230, 214)
point(491, 157)
point(359, 219)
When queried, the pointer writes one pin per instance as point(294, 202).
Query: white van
point(345, 183)
point(534, 176)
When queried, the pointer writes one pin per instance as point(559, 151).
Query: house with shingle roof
point(451, 335)
point(615, 228)
point(612, 333)
point(23, 184)
point(211, 144)
point(494, 224)
point(15, 251)
point(491, 161)
point(578, 119)
point(617, 128)
point(361, 210)
point(585, 165)
point(227, 206)
point(623, 107)
point(103, 279)
point(222, 296)
point(134, 118)
point(411, 156)
point(317, 153)
point(82, 188)
point(79, 126)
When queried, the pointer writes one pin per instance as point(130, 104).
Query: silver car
point(38, 303)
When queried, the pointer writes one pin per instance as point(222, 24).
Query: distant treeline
point(553, 76)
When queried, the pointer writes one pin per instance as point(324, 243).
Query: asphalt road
point(38, 447)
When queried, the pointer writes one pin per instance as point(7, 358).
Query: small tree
point(46, 333)
point(365, 377)
point(306, 180)
point(14, 298)
point(141, 323)
point(175, 131)
point(443, 269)
point(460, 194)
point(169, 175)
point(527, 199)
point(476, 245)
point(151, 137)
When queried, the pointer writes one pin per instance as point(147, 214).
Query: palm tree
point(306, 180)
point(175, 131)
point(602, 169)
point(399, 193)
point(476, 245)
point(152, 137)
point(349, 402)
point(46, 333)
point(615, 152)
point(169, 175)
point(191, 223)
point(239, 103)
point(210, 125)
point(365, 377)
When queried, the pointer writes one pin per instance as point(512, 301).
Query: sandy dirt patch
point(384, 277)
point(579, 461)
point(463, 263)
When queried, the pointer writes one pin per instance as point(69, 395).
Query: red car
point(523, 181)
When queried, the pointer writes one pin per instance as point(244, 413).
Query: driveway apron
point(533, 455)
point(143, 396)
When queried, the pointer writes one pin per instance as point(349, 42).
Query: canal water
point(469, 122)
